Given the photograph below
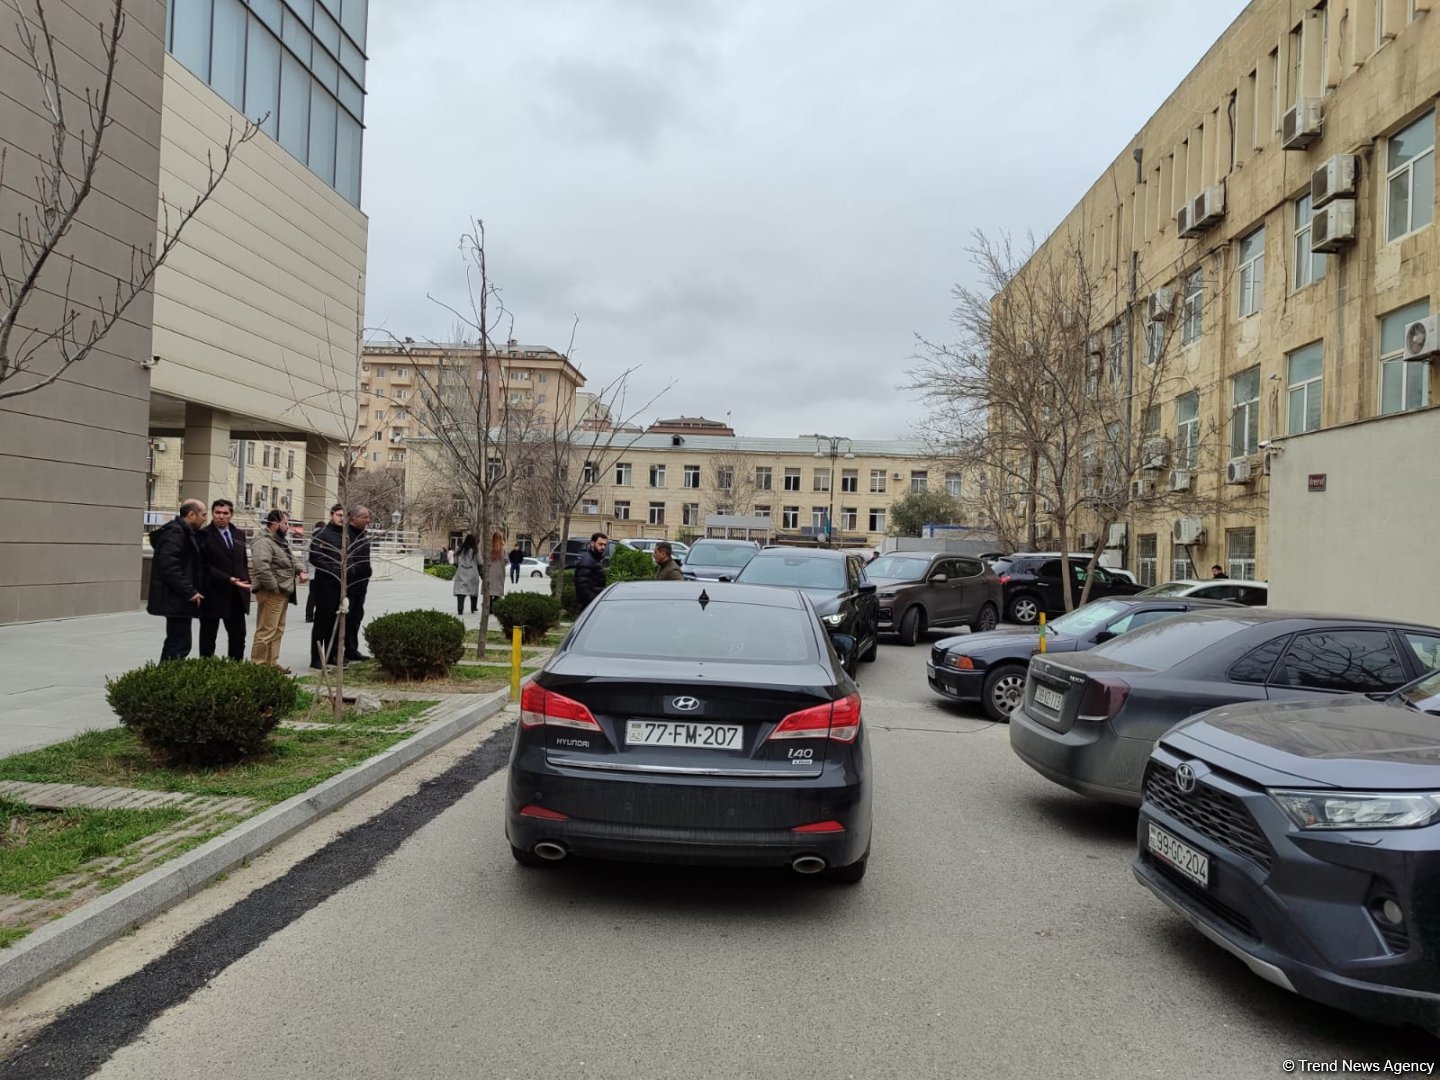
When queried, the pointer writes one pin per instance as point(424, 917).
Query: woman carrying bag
point(467, 576)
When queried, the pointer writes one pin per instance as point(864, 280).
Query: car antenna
point(704, 599)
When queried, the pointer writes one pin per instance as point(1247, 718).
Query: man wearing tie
point(227, 568)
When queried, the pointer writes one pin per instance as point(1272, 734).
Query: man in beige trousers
point(274, 571)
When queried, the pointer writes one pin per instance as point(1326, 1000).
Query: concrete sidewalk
point(52, 674)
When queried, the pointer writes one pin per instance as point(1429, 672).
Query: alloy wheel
point(1005, 695)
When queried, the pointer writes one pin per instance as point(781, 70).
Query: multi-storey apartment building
point(1277, 215)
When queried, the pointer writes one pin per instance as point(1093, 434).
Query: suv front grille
point(1215, 814)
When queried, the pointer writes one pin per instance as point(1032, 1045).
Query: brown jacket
point(669, 572)
point(274, 566)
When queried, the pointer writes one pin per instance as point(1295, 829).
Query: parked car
point(921, 590)
point(1304, 838)
point(711, 560)
point(678, 551)
point(1032, 584)
point(1088, 720)
point(533, 567)
point(990, 668)
point(1249, 593)
point(667, 729)
point(835, 583)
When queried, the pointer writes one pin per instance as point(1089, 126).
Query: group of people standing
point(466, 582)
point(210, 572)
point(590, 567)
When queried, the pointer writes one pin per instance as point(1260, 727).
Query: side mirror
point(1104, 636)
point(938, 579)
point(867, 588)
point(722, 577)
point(844, 644)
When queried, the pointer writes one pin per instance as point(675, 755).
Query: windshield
point(1170, 588)
point(796, 571)
point(900, 567)
point(721, 555)
point(1423, 695)
point(1080, 622)
point(684, 630)
point(1169, 642)
point(1001, 566)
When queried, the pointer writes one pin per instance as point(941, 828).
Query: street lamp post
point(830, 446)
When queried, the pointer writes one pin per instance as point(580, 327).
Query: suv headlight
point(1358, 809)
point(832, 620)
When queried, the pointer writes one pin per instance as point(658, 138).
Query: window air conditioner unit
point(1142, 489)
point(1162, 304)
point(1422, 339)
point(1188, 530)
point(1301, 125)
point(1185, 223)
point(159, 446)
point(897, 476)
point(1115, 538)
point(1153, 453)
point(1333, 228)
point(1208, 208)
point(1335, 179)
point(1180, 479)
point(1238, 471)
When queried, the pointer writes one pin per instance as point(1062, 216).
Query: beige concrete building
point(260, 476)
point(1276, 214)
point(253, 331)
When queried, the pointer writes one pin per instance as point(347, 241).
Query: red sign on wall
point(1317, 481)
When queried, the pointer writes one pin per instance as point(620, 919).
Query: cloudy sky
point(761, 201)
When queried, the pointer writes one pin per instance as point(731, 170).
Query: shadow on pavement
point(1084, 817)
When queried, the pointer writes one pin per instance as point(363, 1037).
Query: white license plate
point(930, 670)
point(1051, 699)
point(674, 733)
point(1193, 864)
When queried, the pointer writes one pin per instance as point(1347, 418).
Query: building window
point(250, 494)
point(397, 455)
point(792, 479)
point(590, 506)
point(952, 484)
point(818, 517)
point(725, 477)
point(690, 514)
point(1402, 383)
point(849, 518)
point(850, 481)
point(657, 476)
point(267, 458)
point(1117, 350)
point(1410, 178)
point(1309, 265)
point(1306, 373)
point(1245, 417)
point(622, 510)
point(590, 474)
point(190, 35)
point(822, 480)
point(691, 476)
point(877, 521)
point(919, 480)
point(264, 495)
point(289, 464)
point(1193, 311)
point(1240, 554)
point(249, 453)
point(622, 474)
point(378, 436)
point(790, 517)
point(764, 478)
point(877, 481)
point(1147, 559)
point(289, 499)
point(762, 511)
point(657, 513)
point(1187, 430)
point(1252, 272)
point(1155, 336)
point(1181, 566)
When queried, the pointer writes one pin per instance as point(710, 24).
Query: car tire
point(526, 858)
point(1005, 684)
point(1025, 610)
point(537, 573)
point(909, 626)
point(987, 620)
point(848, 875)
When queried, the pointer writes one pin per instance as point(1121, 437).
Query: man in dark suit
point(177, 577)
point(227, 592)
point(344, 543)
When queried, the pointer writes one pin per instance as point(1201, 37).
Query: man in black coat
point(333, 547)
point(178, 577)
point(590, 570)
point(227, 592)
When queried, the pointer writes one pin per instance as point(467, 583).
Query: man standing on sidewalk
point(227, 592)
point(334, 546)
point(590, 570)
point(666, 568)
point(177, 577)
point(277, 571)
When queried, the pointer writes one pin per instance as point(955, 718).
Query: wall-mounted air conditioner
point(1239, 471)
point(1188, 530)
point(1301, 124)
point(1208, 208)
point(1333, 228)
point(1422, 339)
point(1162, 304)
point(1335, 179)
point(1181, 479)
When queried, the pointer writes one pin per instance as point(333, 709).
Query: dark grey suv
point(920, 590)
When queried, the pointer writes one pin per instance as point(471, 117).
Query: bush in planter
point(202, 711)
point(627, 564)
point(569, 603)
point(532, 612)
point(444, 571)
point(416, 644)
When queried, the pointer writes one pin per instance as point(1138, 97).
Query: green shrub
point(533, 613)
point(627, 564)
point(416, 644)
point(444, 571)
point(569, 602)
point(202, 711)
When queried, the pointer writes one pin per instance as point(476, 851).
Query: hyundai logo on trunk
point(685, 704)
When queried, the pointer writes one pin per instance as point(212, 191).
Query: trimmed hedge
point(416, 644)
point(204, 710)
point(444, 571)
point(534, 613)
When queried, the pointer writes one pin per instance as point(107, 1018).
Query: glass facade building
point(300, 64)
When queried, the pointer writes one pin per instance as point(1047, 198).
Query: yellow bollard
point(1042, 631)
point(515, 663)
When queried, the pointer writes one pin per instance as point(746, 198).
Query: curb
point(57, 946)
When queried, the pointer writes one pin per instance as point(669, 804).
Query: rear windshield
point(1170, 641)
point(900, 567)
point(722, 555)
point(1001, 566)
point(795, 570)
point(683, 630)
point(1091, 616)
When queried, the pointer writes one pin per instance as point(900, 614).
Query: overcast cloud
point(761, 200)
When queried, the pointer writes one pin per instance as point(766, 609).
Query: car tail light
point(542, 812)
point(545, 708)
point(837, 720)
point(813, 827)
point(1004, 578)
point(1103, 698)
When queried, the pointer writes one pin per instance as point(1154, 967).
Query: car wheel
point(910, 626)
point(987, 620)
point(1004, 688)
point(526, 858)
point(537, 573)
point(1024, 610)
point(848, 875)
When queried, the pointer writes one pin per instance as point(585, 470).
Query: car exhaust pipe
point(808, 864)
point(550, 851)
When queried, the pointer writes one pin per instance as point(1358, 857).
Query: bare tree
point(33, 357)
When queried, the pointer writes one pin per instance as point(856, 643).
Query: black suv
point(1032, 584)
point(836, 584)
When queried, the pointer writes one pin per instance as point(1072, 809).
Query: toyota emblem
point(1185, 778)
point(690, 704)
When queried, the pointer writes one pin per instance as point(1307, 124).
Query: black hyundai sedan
point(702, 723)
point(990, 667)
point(1088, 720)
point(836, 584)
point(1304, 838)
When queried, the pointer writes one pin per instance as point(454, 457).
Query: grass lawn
point(38, 846)
point(392, 715)
point(499, 637)
point(463, 679)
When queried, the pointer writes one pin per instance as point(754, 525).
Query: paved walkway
point(52, 674)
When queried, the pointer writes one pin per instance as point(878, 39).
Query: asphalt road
point(999, 934)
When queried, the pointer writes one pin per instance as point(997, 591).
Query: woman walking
point(275, 571)
point(498, 565)
point(467, 575)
